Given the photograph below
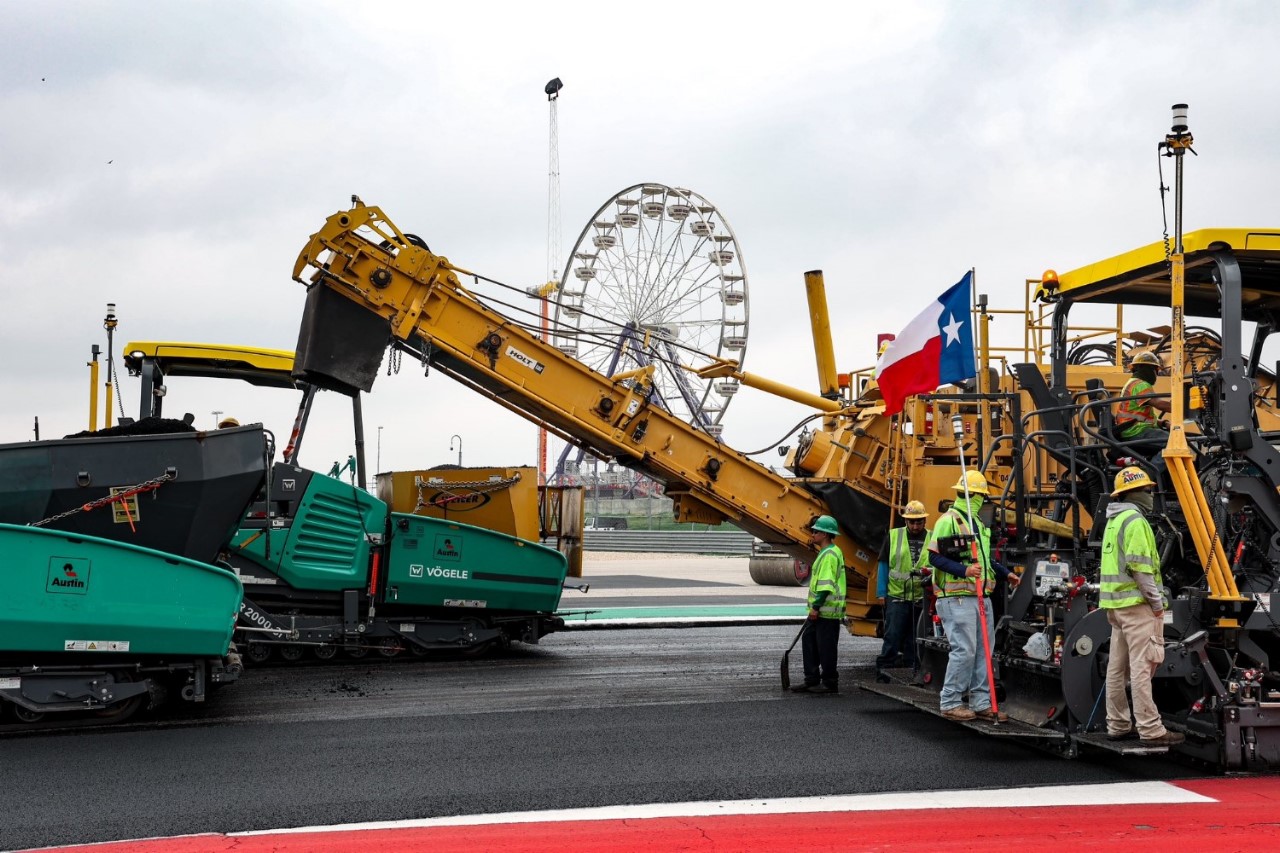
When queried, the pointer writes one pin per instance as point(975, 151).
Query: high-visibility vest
point(1128, 546)
point(947, 585)
point(1135, 416)
point(905, 582)
point(827, 574)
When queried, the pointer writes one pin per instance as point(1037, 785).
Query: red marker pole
point(957, 427)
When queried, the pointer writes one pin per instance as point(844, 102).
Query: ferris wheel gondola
point(657, 278)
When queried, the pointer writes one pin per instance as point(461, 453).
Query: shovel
point(786, 669)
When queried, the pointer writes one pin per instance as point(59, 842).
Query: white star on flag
point(953, 330)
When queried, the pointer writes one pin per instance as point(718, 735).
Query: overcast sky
point(174, 158)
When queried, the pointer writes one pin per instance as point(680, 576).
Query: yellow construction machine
point(1038, 420)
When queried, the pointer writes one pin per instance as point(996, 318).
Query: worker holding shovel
point(826, 610)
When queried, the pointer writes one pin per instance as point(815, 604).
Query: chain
point(145, 486)
point(115, 383)
point(479, 487)
point(1164, 213)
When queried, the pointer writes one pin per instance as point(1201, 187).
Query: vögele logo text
point(442, 572)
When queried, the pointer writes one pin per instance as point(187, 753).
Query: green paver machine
point(327, 567)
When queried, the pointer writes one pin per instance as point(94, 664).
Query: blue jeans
point(899, 633)
point(966, 664)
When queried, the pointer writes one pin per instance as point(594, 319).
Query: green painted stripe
point(716, 611)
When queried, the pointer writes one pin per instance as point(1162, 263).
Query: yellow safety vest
point(905, 581)
point(1128, 546)
point(827, 574)
point(947, 585)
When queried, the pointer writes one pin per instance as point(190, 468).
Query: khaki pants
point(1137, 649)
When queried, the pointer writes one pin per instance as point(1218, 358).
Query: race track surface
point(587, 718)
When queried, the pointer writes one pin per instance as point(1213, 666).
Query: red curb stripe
point(1244, 819)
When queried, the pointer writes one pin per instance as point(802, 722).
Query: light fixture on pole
point(459, 438)
point(217, 417)
point(552, 91)
point(109, 323)
point(378, 465)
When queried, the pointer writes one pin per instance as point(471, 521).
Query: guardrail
point(730, 542)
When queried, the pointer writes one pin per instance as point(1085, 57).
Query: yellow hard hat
point(1145, 358)
point(1129, 479)
point(228, 422)
point(973, 482)
point(914, 509)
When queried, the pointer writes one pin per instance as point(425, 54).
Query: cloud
point(892, 147)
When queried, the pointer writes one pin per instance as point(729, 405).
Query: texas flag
point(936, 348)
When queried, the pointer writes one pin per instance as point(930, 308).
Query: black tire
point(478, 650)
point(22, 715)
point(258, 652)
point(121, 711)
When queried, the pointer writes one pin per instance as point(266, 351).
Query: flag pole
point(980, 582)
point(982, 353)
point(896, 493)
point(980, 305)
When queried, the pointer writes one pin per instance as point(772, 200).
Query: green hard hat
point(825, 524)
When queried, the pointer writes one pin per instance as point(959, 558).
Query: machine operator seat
point(1105, 425)
point(1055, 411)
point(1101, 418)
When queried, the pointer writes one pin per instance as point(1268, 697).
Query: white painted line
point(107, 845)
point(1110, 794)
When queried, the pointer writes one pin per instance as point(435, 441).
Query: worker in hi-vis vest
point(902, 569)
point(1130, 593)
point(826, 610)
point(957, 570)
point(1139, 419)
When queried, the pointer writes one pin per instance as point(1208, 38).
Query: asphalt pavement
point(587, 718)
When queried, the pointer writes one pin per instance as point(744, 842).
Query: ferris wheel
point(657, 278)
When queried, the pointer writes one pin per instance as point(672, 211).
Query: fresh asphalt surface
point(587, 718)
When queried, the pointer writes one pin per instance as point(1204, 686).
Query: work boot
point(1128, 734)
point(826, 688)
point(991, 716)
point(958, 713)
point(1166, 739)
point(882, 677)
point(805, 688)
